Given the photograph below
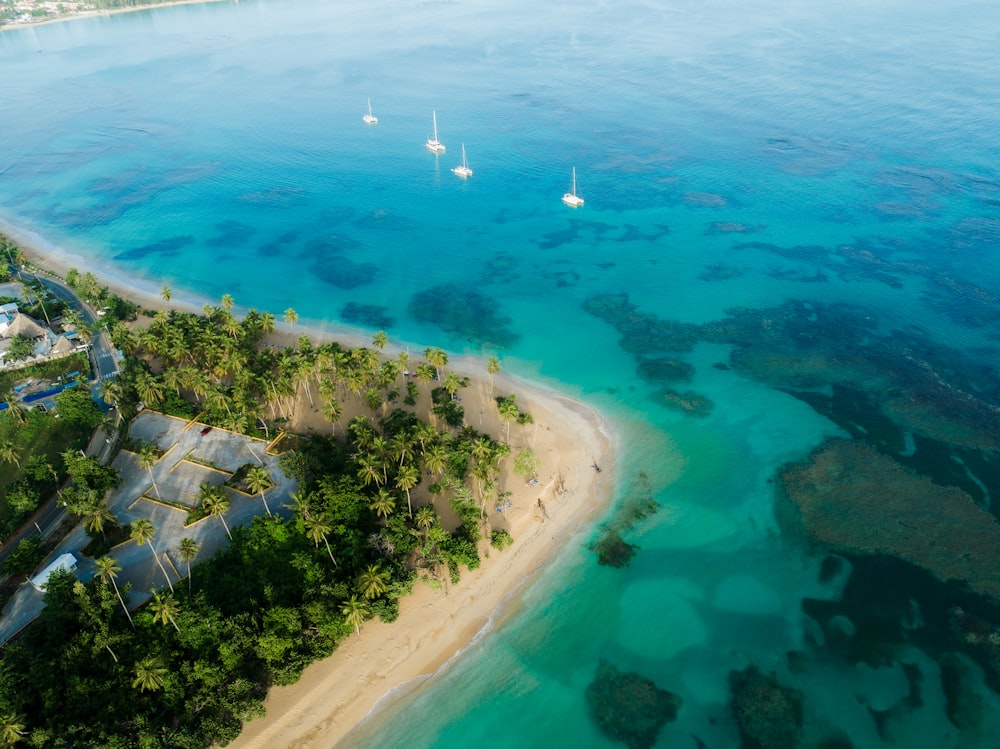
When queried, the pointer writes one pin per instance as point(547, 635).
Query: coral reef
point(642, 333)
point(854, 499)
point(689, 402)
point(343, 272)
point(628, 707)
point(367, 315)
point(769, 715)
point(463, 313)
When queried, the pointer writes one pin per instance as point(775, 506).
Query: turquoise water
point(219, 149)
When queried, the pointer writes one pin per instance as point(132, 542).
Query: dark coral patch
point(464, 313)
point(628, 707)
point(343, 272)
point(367, 315)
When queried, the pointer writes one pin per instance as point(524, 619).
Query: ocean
point(799, 201)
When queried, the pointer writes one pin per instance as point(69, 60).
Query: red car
point(205, 431)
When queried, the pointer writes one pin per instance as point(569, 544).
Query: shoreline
point(100, 13)
point(435, 626)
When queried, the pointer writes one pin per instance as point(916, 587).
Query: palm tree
point(437, 358)
point(508, 412)
point(12, 728)
point(452, 382)
point(354, 612)
point(369, 470)
point(373, 582)
point(108, 569)
point(13, 406)
point(383, 504)
point(406, 478)
point(97, 517)
point(258, 479)
point(300, 504)
point(166, 294)
point(165, 609)
point(425, 519)
point(147, 459)
point(227, 302)
point(291, 317)
point(436, 459)
point(266, 322)
point(143, 531)
point(317, 527)
point(492, 368)
point(332, 411)
point(216, 503)
point(150, 674)
point(9, 453)
point(188, 550)
point(380, 339)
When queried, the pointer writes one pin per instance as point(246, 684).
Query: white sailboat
point(571, 198)
point(433, 144)
point(369, 118)
point(462, 170)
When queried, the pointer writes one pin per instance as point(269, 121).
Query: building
point(64, 561)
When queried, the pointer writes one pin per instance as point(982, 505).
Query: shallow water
point(725, 154)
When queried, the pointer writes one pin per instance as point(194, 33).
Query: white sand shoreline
point(369, 673)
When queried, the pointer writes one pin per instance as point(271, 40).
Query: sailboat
point(571, 198)
point(369, 118)
point(433, 144)
point(463, 169)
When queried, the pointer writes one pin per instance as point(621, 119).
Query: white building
point(64, 561)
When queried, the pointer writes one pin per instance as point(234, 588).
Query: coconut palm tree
point(227, 302)
point(317, 527)
point(492, 368)
point(383, 503)
point(406, 478)
point(9, 453)
point(150, 674)
point(332, 411)
point(369, 470)
point(354, 612)
point(258, 479)
point(216, 503)
point(108, 569)
point(147, 459)
point(436, 458)
point(425, 519)
point(12, 728)
point(291, 317)
point(300, 504)
point(166, 294)
point(97, 517)
point(143, 531)
point(452, 382)
point(13, 406)
point(437, 358)
point(165, 609)
point(508, 412)
point(188, 549)
point(373, 582)
point(380, 339)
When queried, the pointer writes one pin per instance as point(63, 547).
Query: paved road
point(102, 355)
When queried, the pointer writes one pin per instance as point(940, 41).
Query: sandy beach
point(435, 623)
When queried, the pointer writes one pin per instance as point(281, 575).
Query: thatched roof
point(24, 325)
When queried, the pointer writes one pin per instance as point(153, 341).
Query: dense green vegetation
point(33, 443)
point(188, 667)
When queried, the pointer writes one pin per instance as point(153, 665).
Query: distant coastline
point(72, 16)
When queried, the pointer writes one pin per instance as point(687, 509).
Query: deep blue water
point(727, 152)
